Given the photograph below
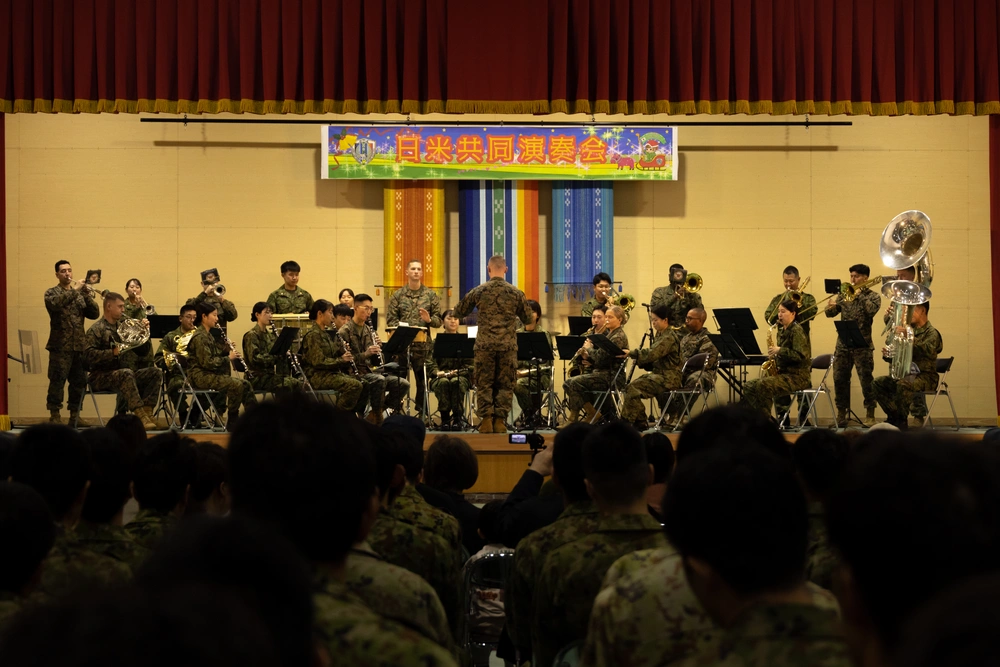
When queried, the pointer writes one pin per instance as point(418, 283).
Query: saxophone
point(238, 363)
point(770, 367)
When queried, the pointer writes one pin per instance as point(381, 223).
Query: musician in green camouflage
point(663, 362)
point(533, 380)
point(135, 309)
point(896, 396)
point(793, 357)
point(227, 309)
point(418, 306)
point(379, 391)
point(450, 379)
point(500, 306)
point(861, 309)
point(918, 408)
point(104, 358)
point(807, 311)
point(580, 365)
point(582, 389)
point(677, 299)
point(269, 373)
point(209, 366)
point(324, 357)
point(290, 298)
point(602, 295)
point(696, 341)
point(68, 304)
point(173, 345)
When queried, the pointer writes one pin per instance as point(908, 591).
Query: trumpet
point(88, 289)
point(149, 308)
point(216, 290)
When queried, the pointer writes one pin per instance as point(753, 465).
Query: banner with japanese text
point(507, 152)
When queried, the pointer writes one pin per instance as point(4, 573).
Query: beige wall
point(163, 202)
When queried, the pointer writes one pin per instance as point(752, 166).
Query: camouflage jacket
point(71, 566)
point(571, 578)
point(113, 541)
point(283, 302)
point(795, 356)
point(168, 344)
point(698, 343)
point(603, 361)
point(410, 507)
point(257, 346)
point(647, 615)
point(578, 362)
point(405, 304)
point(500, 305)
point(397, 594)
point(206, 356)
point(359, 339)
point(663, 356)
point(806, 310)
point(780, 635)
point(927, 345)
point(678, 307)
point(67, 309)
point(99, 354)
point(134, 311)
point(820, 558)
point(463, 366)
point(576, 521)
point(355, 635)
point(322, 350)
point(10, 604)
point(227, 309)
point(862, 310)
point(588, 306)
point(149, 526)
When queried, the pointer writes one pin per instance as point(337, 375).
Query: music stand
point(578, 325)
point(534, 347)
point(730, 351)
point(740, 324)
point(605, 344)
point(568, 346)
point(454, 346)
point(849, 335)
point(161, 325)
point(832, 285)
point(284, 341)
point(400, 341)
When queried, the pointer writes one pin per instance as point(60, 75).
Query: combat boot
point(76, 421)
point(593, 416)
point(499, 425)
point(446, 420)
point(55, 417)
point(486, 426)
point(572, 417)
point(841, 417)
point(869, 418)
point(146, 418)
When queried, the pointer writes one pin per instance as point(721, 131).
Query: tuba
point(133, 334)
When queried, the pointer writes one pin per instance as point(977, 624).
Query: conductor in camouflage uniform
point(111, 370)
point(325, 358)
point(677, 299)
point(450, 380)
point(418, 306)
point(226, 309)
point(861, 309)
point(807, 311)
point(602, 295)
point(209, 368)
point(580, 389)
point(67, 304)
point(532, 380)
point(500, 306)
point(172, 345)
point(662, 360)
point(268, 372)
point(379, 390)
point(896, 396)
point(290, 298)
point(793, 356)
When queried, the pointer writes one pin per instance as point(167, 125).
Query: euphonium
point(133, 334)
point(770, 367)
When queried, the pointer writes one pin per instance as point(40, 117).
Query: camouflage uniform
point(779, 635)
point(918, 407)
point(699, 343)
point(397, 594)
point(404, 306)
point(577, 365)
point(807, 309)
point(109, 540)
point(208, 368)
point(896, 396)
point(70, 566)
point(356, 635)
point(861, 310)
point(283, 302)
point(579, 389)
point(410, 507)
point(138, 388)
point(270, 373)
point(227, 309)
point(451, 391)
point(794, 367)
point(422, 553)
point(500, 305)
point(67, 309)
point(588, 306)
point(663, 360)
point(143, 353)
point(174, 379)
point(10, 604)
point(678, 307)
point(375, 386)
point(646, 614)
point(820, 558)
point(572, 574)
point(320, 354)
point(535, 384)
point(575, 522)
point(149, 526)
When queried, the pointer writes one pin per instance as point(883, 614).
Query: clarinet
point(354, 367)
point(376, 341)
point(238, 363)
point(293, 359)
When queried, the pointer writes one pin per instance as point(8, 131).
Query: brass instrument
point(133, 334)
point(88, 289)
point(770, 367)
point(625, 301)
point(693, 283)
point(238, 363)
point(850, 292)
point(216, 290)
point(180, 349)
point(796, 294)
point(149, 308)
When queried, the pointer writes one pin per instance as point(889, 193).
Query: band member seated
point(367, 356)
point(68, 303)
point(324, 357)
point(696, 341)
point(209, 366)
point(677, 299)
point(450, 381)
point(896, 396)
point(580, 389)
point(862, 309)
point(418, 306)
point(346, 297)
point(267, 372)
point(579, 365)
point(532, 380)
point(602, 294)
point(793, 356)
point(807, 310)
point(209, 295)
point(135, 309)
point(919, 407)
point(290, 298)
point(110, 366)
point(171, 353)
point(662, 360)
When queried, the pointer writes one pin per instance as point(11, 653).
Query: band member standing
point(209, 366)
point(268, 372)
point(290, 298)
point(919, 407)
point(602, 294)
point(500, 306)
point(135, 309)
point(580, 388)
point(110, 368)
point(533, 380)
point(325, 358)
point(862, 309)
point(793, 356)
point(358, 336)
point(580, 365)
point(677, 299)
point(896, 396)
point(807, 310)
point(418, 306)
point(663, 361)
point(450, 380)
point(172, 346)
point(226, 309)
point(68, 304)
point(346, 297)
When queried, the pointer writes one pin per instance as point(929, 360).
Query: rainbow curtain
point(415, 227)
point(583, 236)
point(499, 218)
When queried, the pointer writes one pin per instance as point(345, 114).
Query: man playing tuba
point(896, 396)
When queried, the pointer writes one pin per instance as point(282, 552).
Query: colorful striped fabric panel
point(583, 240)
point(415, 228)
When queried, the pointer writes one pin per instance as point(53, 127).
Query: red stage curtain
point(881, 57)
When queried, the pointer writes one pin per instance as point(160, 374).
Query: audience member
point(616, 476)
point(209, 490)
point(451, 467)
point(992, 435)
point(129, 428)
point(730, 425)
point(27, 533)
point(660, 454)
point(163, 473)
point(820, 456)
point(487, 612)
point(7, 442)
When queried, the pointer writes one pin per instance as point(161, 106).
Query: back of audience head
point(489, 522)
point(7, 442)
point(129, 429)
point(53, 460)
point(738, 518)
point(731, 425)
point(110, 477)
point(413, 432)
point(660, 454)
point(390, 452)
point(450, 465)
point(298, 465)
point(163, 473)
point(209, 490)
point(567, 462)
point(820, 456)
point(27, 533)
point(615, 467)
point(992, 435)
point(910, 517)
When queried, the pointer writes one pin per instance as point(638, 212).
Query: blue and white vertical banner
point(583, 236)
